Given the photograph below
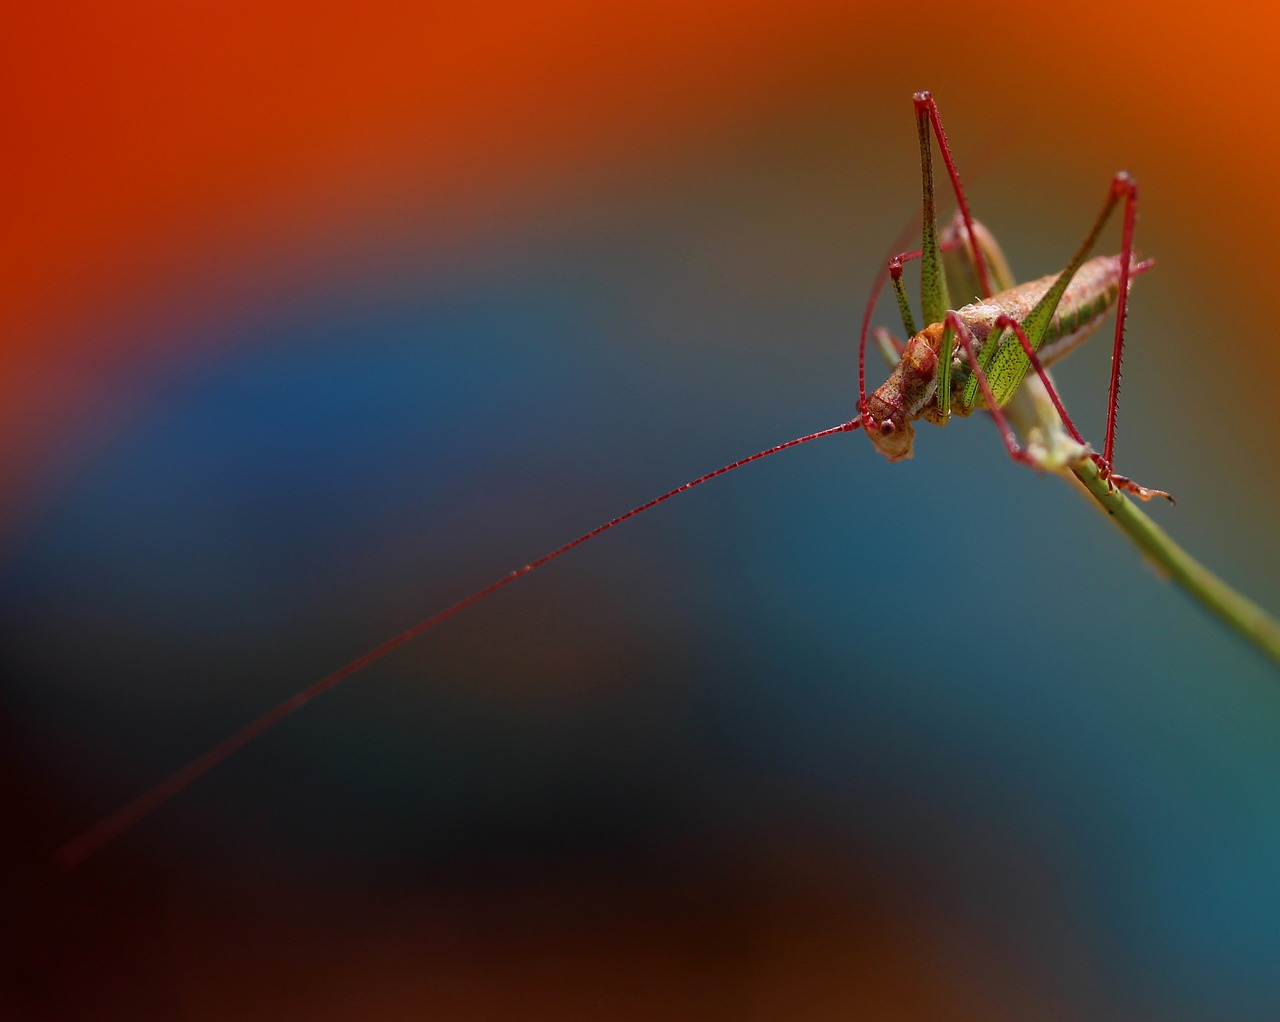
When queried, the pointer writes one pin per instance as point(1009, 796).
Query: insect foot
point(1128, 485)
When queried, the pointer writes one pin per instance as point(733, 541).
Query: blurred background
point(316, 319)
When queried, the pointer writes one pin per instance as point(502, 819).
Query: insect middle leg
point(1125, 483)
point(1016, 451)
point(956, 325)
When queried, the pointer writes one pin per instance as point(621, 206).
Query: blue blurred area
point(944, 689)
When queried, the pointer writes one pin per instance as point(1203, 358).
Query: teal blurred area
point(827, 724)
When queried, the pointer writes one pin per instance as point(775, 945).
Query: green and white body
point(918, 389)
point(977, 355)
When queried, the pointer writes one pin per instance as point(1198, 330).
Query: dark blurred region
point(778, 915)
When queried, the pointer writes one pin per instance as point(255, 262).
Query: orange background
point(148, 146)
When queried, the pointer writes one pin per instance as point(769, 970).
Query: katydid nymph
point(975, 356)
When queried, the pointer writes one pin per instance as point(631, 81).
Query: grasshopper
point(977, 357)
point(1010, 330)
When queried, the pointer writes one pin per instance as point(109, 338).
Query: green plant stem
point(1235, 610)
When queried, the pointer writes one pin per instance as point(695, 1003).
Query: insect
point(965, 359)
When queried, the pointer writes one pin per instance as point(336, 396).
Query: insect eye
point(887, 428)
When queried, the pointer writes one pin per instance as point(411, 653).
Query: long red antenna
point(107, 830)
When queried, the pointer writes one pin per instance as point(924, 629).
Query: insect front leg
point(945, 246)
point(904, 304)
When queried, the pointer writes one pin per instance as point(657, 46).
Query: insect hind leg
point(1122, 185)
point(927, 108)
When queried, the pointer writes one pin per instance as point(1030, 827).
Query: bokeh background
point(316, 318)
